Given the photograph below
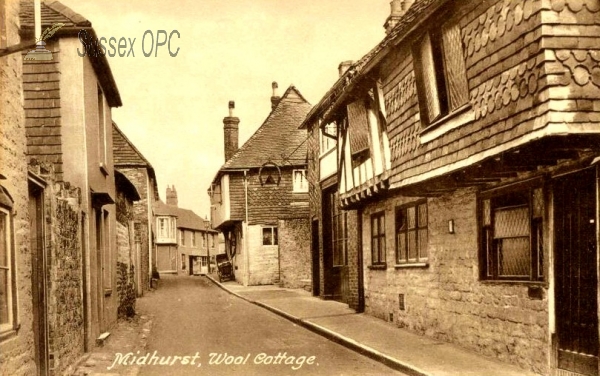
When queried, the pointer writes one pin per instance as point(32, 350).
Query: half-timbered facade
point(468, 143)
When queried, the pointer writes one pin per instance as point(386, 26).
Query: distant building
point(131, 163)
point(184, 241)
point(259, 197)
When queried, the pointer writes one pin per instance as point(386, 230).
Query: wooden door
point(576, 273)
point(38, 277)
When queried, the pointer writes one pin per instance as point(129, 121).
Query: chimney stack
point(231, 132)
point(274, 98)
point(398, 8)
point(172, 196)
point(343, 67)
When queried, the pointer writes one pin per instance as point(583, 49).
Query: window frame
point(403, 256)
point(302, 185)
point(182, 237)
point(378, 257)
point(326, 140)
point(193, 241)
point(489, 264)
point(274, 236)
point(11, 303)
point(447, 72)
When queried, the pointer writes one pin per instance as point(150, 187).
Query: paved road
point(204, 325)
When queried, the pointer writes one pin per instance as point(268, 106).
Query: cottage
point(68, 101)
point(259, 197)
point(136, 168)
point(467, 149)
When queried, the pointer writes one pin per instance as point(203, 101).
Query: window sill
point(378, 267)
point(103, 169)
point(453, 120)
point(513, 282)
point(9, 333)
point(412, 265)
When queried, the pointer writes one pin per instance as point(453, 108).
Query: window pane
point(422, 243)
point(411, 213)
point(374, 228)
point(514, 256)
point(412, 245)
point(374, 251)
point(4, 291)
point(422, 215)
point(511, 222)
point(454, 62)
point(267, 236)
point(432, 102)
point(3, 240)
point(382, 249)
point(401, 239)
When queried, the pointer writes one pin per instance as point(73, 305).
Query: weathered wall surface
point(16, 349)
point(65, 305)
point(446, 300)
point(295, 260)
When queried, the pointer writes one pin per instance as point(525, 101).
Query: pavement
point(129, 335)
point(397, 348)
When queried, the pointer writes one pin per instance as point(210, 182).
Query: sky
point(173, 106)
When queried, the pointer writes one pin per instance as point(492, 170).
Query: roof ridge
point(75, 17)
point(256, 133)
point(116, 127)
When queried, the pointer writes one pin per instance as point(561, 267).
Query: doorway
point(575, 267)
point(38, 276)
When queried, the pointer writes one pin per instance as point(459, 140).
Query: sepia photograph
point(280, 187)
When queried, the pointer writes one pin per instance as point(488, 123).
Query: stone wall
point(446, 300)
point(264, 259)
point(294, 245)
point(125, 265)
point(16, 349)
point(64, 284)
point(139, 178)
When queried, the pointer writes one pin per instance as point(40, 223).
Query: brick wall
point(16, 351)
point(294, 245)
point(446, 300)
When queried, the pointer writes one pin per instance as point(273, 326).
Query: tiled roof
point(55, 12)
point(52, 12)
point(124, 152)
point(278, 139)
point(415, 14)
point(186, 218)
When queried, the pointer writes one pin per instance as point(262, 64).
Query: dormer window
point(440, 69)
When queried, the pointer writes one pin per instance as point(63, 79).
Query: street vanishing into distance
point(193, 318)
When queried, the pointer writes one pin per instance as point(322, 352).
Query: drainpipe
point(246, 249)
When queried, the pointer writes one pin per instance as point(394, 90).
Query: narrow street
point(193, 318)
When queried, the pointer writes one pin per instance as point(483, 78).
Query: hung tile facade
point(260, 184)
point(470, 150)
